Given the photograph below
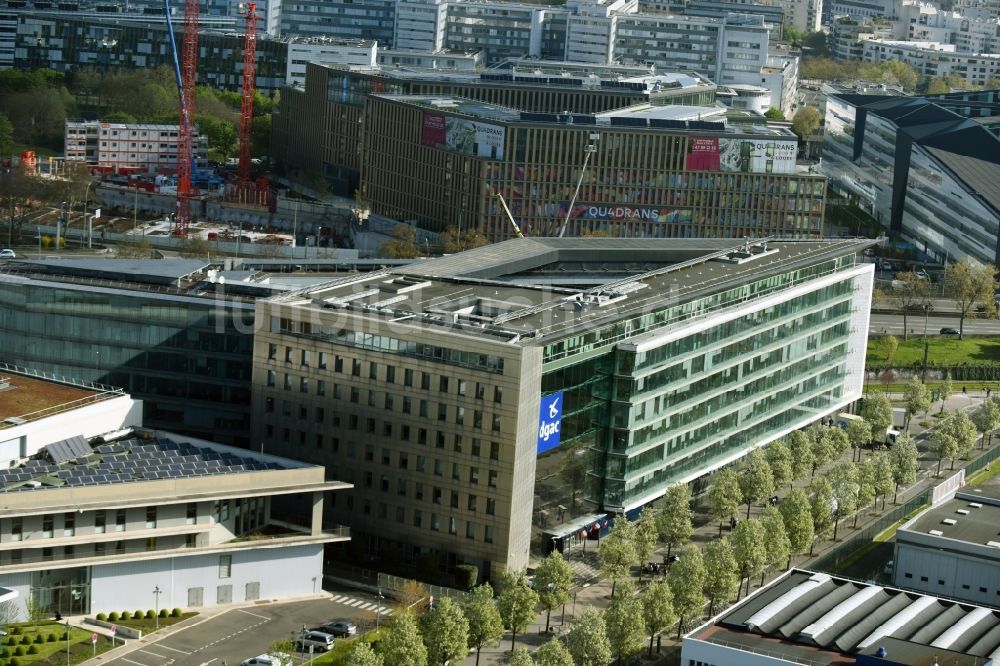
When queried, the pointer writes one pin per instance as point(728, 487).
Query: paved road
point(240, 633)
point(894, 324)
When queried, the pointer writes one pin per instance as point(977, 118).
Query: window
point(407, 377)
point(47, 526)
point(460, 415)
point(69, 524)
point(476, 446)
point(385, 456)
point(488, 534)
point(493, 478)
point(471, 504)
point(424, 408)
point(369, 453)
point(477, 419)
point(225, 566)
point(425, 381)
point(421, 461)
point(404, 459)
point(338, 363)
point(320, 387)
point(288, 382)
point(458, 444)
point(401, 487)
point(440, 440)
point(356, 367)
point(417, 516)
point(407, 405)
point(269, 405)
point(436, 495)
point(496, 423)
point(373, 370)
point(474, 475)
point(418, 491)
point(494, 450)
point(305, 358)
point(272, 351)
point(288, 354)
point(491, 507)
point(389, 401)
point(16, 529)
point(355, 395)
point(470, 530)
point(99, 518)
point(422, 436)
point(443, 384)
point(438, 467)
point(390, 374)
point(442, 412)
point(452, 526)
point(322, 361)
point(272, 378)
point(498, 394)
point(435, 523)
point(384, 484)
point(303, 385)
point(400, 514)
point(461, 386)
point(120, 520)
point(455, 475)
point(150, 517)
point(480, 391)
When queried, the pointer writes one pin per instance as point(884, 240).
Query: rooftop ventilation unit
point(976, 505)
point(963, 512)
point(949, 521)
point(935, 532)
point(14, 420)
point(993, 544)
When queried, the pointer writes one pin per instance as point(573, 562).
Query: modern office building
point(643, 171)
point(814, 618)
point(370, 20)
point(334, 100)
point(127, 145)
point(866, 9)
point(952, 549)
point(969, 34)
point(923, 169)
point(96, 523)
point(934, 59)
point(507, 30)
point(451, 392)
point(302, 51)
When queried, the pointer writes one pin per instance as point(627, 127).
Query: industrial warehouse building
point(95, 523)
point(642, 171)
point(452, 391)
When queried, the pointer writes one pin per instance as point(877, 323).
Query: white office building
point(934, 59)
point(324, 50)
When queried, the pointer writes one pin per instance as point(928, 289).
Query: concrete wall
point(281, 573)
point(710, 654)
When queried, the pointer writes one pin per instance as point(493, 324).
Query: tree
point(362, 654)
point(520, 657)
point(800, 447)
point(821, 505)
point(776, 542)
point(755, 478)
point(888, 345)
point(945, 390)
point(573, 471)
point(774, 114)
point(882, 466)
point(843, 478)
point(137, 247)
point(877, 411)
point(6, 136)
point(806, 121)
point(724, 497)
point(750, 549)
point(446, 632)
point(859, 433)
point(687, 580)
point(402, 646)
point(485, 624)
point(553, 653)
point(970, 284)
point(18, 200)
point(867, 486)
point(907, 292)
point(260, 135)
point(917, 399)
point(403, 244)
point(674, 520)
point(283, 650)
point(410, 595)
point(987, 419)
point(516, 603)
point(721, 579)
point(796, 513)
point(553, 580)
point(903, 461)
point(624, 622)
point(779, 459)
point(838, 441)
point(617, 552)
point(647, 533)
point(221, 134)
point(588, 640)
point(965, 433)
point(943, 442)
point(816, 43)
point(657, 610)
point(458, 240)
point(823, 450)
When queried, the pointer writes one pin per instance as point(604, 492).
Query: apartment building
point(934, 59)
point(130, 146)
point(370, 20)
point(922, 22)
point(450, 393)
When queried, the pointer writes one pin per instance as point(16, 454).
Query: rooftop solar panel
point(69, 449)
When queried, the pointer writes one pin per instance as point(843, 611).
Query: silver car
point(339, 628)
point(319, 641)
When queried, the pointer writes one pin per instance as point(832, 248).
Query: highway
point(883, 323)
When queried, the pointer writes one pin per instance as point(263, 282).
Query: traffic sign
point(93, 638)
point(114, 629)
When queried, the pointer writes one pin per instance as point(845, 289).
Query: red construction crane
point(185, 142)
point(249, 88)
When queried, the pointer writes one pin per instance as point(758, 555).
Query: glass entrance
point(66, 591)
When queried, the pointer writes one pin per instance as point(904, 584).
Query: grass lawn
point(50, 653)
point(956, 386)
point(343, 646)
point(984, 475)
point(941, 351)
point(148, 625)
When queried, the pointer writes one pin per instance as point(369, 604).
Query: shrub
point(51, 638)
point(19, 651)
point(125, 616)
point(64, 637)
point(103, 617)
point(15, 661)
point(11, 640)
point(175, 612)
point(466, 576)
point(4, 652)
point(163, 612)
point(113, 617)
point(25, 640)
point(32, 649)
point(39, 638)
point(138, 615)
point(15, 631)
point(150, 614)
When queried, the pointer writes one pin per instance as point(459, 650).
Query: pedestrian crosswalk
point(363, 604)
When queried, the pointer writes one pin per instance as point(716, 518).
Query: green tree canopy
point(750, 548)
point(779, 459)
point(821, 504)
point(903, 458)
point(796, 513)
point(617, 552)
point(774, 114)
point(970, 283)
point(520, 657)
point(553, 580)
point(402, 645)
point(516, 603)
point(843, 478)
point(446, 632)
point(806, 121)
point(755, 478)
point(776, 542)
point(588, 640)
point(687, 582)
point(859, 433)
point(674, 519)
point(800, 446)
point(362, 654)
point(657, 610)
point(721, 572)
point(624, 622)
point(917, 398)
point(553, 653)
point(724, 497)
point(877, 411)
point(485, 624)
point(647, 533)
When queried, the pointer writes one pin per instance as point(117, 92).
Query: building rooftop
point(24, 399)
point(969, 517)
point(533, 290)
point(815, 618)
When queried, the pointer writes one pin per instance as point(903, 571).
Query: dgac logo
point(549, 422)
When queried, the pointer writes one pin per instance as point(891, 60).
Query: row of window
point(965, 586)
point(433, 521)
point(100, 522)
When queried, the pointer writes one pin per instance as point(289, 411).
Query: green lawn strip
point(343, 646)
point(890, 531)
point(52, 653)
point(941, 351)
point(983, 475)
point(956, 386)
point(147, 625)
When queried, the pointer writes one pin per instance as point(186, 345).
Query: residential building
point(302, 51)
point(369, 20)
point(420, 24)
point(866, 9)
point(337, 96)
point(934, 59)
point(952, 549)
point(94, 523)
point(803, 15)
point(921, 168)
point(814, 618)
point(922, 22)
point(591, 29)
point(847, 35)
point(450, 392)
point(775, 15)
point(979, 8)
point(643, 171)
point(507, 30)
point(114, 146)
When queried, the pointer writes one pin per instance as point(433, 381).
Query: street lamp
point(86, 198)
point(378, 611)
point(67, 642)
point(156, 593)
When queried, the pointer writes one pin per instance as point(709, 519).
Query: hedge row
point(125, 616)
point(962, 372)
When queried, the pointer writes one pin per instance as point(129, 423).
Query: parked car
point(339, 628)
point(948, 330)
point(922, 275)
point(319, 641)
point(887, 570)
point(267, 660)
point(7, 254)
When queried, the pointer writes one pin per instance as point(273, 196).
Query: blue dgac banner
point(549, 422)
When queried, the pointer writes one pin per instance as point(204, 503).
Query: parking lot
point(227, 638)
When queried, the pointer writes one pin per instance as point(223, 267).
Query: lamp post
point(378, 611)
point(923, 374)
point(67, 642)
point(156, 594)
point(86, 199)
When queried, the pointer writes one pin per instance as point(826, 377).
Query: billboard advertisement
point(741, 155)
point(549, 422)
point(460, 135)
point(627, 213)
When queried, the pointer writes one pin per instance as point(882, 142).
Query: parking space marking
point(262, 617)
point(161, 656)
point(167, 647)
point(132, 662)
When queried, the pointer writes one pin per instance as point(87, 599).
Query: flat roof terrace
point(24, 398)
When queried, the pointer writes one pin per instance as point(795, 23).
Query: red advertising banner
point(703, 154)
point(432, 130)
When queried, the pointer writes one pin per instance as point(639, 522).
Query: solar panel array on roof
point(69, 449)
point(127, 461)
